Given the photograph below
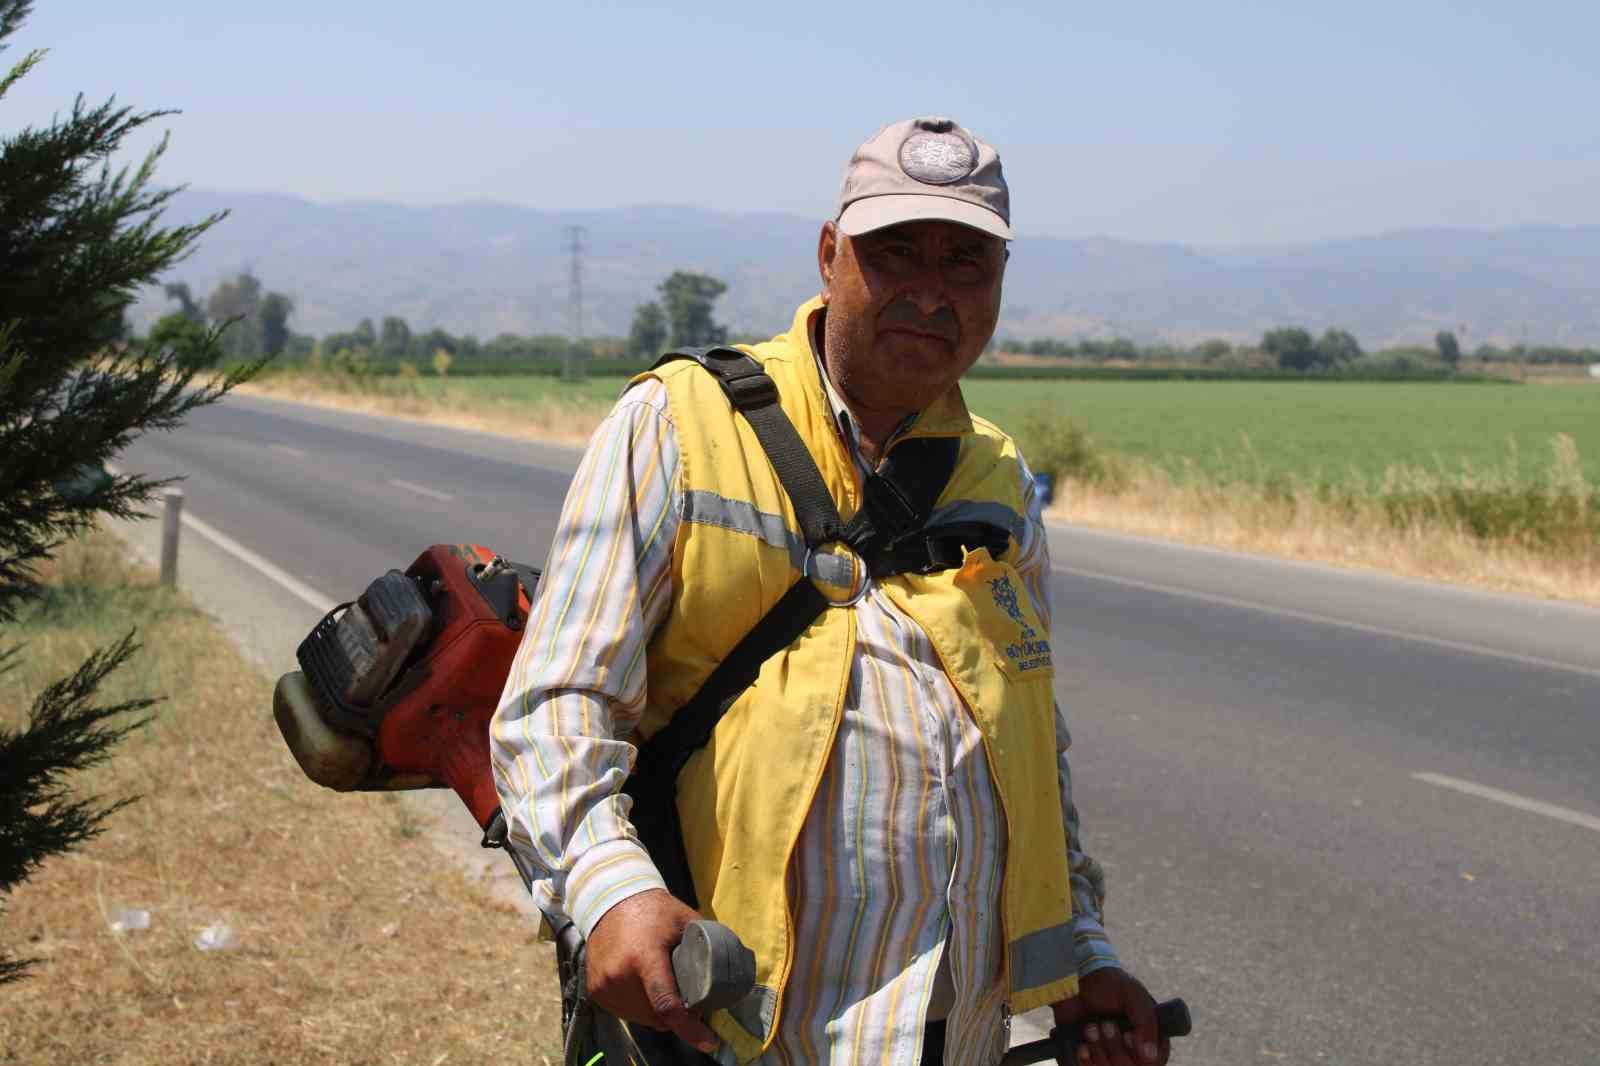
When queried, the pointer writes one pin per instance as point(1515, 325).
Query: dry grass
point(1416, 525)
point(546, 420)
point(356, 942)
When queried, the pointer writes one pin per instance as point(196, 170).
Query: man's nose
point(927, 293)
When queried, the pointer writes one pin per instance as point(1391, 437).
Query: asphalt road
point(1350, 819)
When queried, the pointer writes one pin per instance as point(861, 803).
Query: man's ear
point(827, 249)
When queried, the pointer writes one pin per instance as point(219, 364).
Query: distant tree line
point(1537, 355)
point(683, 315)
point(1293, 348)
point(392, 343)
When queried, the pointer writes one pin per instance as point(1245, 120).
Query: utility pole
point(573, 368)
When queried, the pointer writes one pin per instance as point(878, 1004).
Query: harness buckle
point(808, 570)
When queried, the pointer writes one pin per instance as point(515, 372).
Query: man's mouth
point(923, 333)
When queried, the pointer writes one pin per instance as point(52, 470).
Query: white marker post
point(170, 516)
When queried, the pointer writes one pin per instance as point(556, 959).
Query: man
point(885, 816)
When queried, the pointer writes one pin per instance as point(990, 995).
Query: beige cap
point(924, 168)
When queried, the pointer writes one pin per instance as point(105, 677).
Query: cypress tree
point(78, 239)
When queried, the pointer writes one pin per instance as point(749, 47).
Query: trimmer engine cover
point(429, 727)
point(354, 653)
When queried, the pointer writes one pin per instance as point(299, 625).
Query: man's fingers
point(1100, 1045)
point(1141, 1012)
point(694, 1032)
point(661, 989)
point(1070, 1011)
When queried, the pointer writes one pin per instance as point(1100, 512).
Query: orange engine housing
point(430, 727)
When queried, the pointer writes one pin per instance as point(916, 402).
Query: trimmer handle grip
point(713, 967)
point(1172, 1018)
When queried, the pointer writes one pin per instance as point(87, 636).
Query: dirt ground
point(345, 936)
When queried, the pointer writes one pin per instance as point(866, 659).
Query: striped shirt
point(895, 881)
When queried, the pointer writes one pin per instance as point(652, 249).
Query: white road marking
point(286, 450)
point(245, 555)
point(1511, 799)
point(1322, 619)
point(420, 490)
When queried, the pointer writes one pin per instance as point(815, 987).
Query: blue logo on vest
point(1029, 651)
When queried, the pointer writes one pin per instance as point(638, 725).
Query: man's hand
point(1112, 993)
point(629, 960)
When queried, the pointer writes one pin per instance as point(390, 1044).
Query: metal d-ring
point(807, 569)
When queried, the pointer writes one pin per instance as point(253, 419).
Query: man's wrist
point(1091, 948)
point(604, 876)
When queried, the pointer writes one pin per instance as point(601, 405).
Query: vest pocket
point(1017, 641)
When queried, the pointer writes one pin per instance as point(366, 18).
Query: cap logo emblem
point(937, 158)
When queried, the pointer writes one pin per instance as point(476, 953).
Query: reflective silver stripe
point(712, 509)
point(996, 514)
point(1042, 957)
point(754, 1012)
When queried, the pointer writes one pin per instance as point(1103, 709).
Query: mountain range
point(488, 268)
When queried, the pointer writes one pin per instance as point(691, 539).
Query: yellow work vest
point(743, 798)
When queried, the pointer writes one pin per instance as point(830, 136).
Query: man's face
point(910, 308)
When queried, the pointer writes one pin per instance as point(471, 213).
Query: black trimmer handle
point(713, 967)
point(1172, 1020)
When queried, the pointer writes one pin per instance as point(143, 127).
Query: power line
point(575, 290)
point(573, 366)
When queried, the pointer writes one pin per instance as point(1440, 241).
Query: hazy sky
point(1210, 122)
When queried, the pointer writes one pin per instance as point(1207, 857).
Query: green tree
point(394, 337)
point(238, 299)
point(1291, 348)
point(1448, 347)
point(77, 243)
point(435, 339)
point(273, 323)
point(357, 362)
point(179, 291)
point(509, 346)
point(1120, 348)
point(1336, 348)
point(648, 337)
point(686, 299)
point(187, 340)
point(262, 317)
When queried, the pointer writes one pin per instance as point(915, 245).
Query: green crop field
point(1334, 432)
point(598, 392)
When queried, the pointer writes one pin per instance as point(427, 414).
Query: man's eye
point(965, 266)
